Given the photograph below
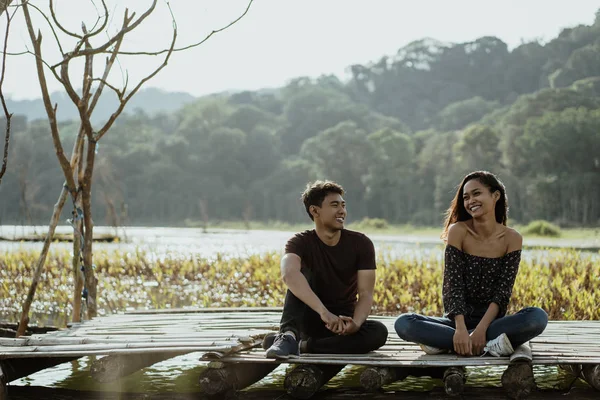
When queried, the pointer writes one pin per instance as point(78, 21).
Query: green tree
point(462, 113)
point(342, 153)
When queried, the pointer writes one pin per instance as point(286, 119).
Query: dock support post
point(591, 374)
point(573, 369)
point(220, 379)
point(3, 382)
point(374, 378)
point(517, 380)
point(111, 368)
point(306, 379)
point(454, 380)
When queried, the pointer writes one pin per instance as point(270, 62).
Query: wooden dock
point(230, 343)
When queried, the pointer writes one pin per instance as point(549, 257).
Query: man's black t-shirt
point(334, 268)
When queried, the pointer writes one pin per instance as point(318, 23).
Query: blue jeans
point(439, 331)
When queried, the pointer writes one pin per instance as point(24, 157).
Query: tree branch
point(50, 111)
point(7, 115)
point(94, 31)
point(156, 53)
point(114, 39)
point(50, 25)
point(88, 73)
point(28, 52)
point(78, 101)
point(85, 36)
point(103, 82)
point(124, 101)
point(4, 5)
point(65, 31)
point(109, 64)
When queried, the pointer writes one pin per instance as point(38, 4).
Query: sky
point(279, 40)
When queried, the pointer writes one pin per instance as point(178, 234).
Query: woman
point(481, 262)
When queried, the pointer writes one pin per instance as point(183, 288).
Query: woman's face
point(477, 198)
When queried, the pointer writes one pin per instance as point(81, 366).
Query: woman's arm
point(453, 292)
point(508, 276)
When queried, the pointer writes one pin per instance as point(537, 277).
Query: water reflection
point(180, 375)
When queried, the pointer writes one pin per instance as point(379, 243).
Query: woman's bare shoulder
point(456, 234)
point(514, 240)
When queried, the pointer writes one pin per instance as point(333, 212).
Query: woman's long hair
point(457, 211)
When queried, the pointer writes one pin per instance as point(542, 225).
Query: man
point(325, 269)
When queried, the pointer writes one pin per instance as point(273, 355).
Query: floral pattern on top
point(472, 282)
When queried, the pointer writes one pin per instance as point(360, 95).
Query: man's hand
point(462, 342)
point(477, 341)
point(350, 326)
point(332, 322)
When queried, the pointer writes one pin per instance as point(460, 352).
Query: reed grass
point(566, 283)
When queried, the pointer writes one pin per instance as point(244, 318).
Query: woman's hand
point(462, 342)
point(477, 341)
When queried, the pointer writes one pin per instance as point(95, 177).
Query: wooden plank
point(82, 353)
point(206, 310)
point(72, 341)
point(422, 362)
point(115, 346)
point(218, 330)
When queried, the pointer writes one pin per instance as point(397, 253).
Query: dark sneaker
point(283, 346)
point(268, 340)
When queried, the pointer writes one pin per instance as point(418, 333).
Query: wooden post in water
point(3, 382)
point(591, 374)
point(221, 378)
point(111, 368)
point(573, 369)
point(374, 378)
point(306, 379)
point(517, 380)
point(454, 381)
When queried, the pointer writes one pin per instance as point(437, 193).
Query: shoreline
point(572, 239)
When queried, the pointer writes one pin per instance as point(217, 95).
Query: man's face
point(332, 213)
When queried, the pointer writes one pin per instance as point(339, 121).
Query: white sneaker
point(522, 353)
point(432, 350)
point(499, 347)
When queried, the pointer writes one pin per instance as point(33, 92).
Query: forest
point(399, 134)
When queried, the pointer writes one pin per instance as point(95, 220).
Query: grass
point(565, 283)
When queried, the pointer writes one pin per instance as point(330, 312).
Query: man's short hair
point(315, 193)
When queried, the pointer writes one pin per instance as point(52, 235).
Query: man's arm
point(366, 285)
point(298, 285)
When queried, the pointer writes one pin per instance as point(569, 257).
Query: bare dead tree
point(7, 115)
point(78, 171)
